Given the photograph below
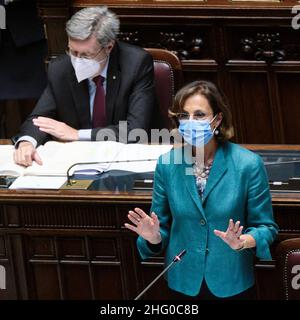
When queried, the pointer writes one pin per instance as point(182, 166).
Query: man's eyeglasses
point(84, 56)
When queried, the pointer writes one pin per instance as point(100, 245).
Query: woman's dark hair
point(217, 102)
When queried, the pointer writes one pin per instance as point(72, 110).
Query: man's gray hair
point(97, 21)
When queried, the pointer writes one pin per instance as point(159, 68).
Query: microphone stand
point(176, 259)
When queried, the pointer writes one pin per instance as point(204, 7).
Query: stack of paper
point(95, 158)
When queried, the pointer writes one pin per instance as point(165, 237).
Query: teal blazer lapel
point(217, 171)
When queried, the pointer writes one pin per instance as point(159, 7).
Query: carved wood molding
point(264, 46)
point(185, 46)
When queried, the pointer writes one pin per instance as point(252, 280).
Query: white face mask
point(86, 68)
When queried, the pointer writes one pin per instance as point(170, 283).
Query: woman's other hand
point(144, 225)
point(232, 235)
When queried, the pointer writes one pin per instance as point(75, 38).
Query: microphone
point(177, 258)
point(85, 183)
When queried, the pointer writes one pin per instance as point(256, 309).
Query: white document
point(58, 157)
point(146, 155)
point(96, 156)
point(38, 182)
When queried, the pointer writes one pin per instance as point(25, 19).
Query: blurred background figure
point(23, 48)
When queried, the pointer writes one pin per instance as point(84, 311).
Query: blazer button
point(202, 222)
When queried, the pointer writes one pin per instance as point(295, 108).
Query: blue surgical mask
point(196, 132)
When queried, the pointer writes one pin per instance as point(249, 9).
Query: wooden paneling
point(290, 223)
point(6, 261)
point(12, 115)
point(77, 266)
point(41, 288)
point(251, 104)
point(288, 92)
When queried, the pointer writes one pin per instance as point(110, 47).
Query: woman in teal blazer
point(211, 197)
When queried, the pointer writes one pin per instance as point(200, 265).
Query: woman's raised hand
point(144, 225)
point(232, 235)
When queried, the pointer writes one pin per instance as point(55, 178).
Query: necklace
point(202, 171)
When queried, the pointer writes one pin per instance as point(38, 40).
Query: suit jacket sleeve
point(45, 107)
point(140, 103)
point(260, 220)
point(160, 206)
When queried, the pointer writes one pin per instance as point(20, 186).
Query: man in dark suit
point(68, 108)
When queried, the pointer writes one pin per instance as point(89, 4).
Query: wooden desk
point(5, 141)
point(72, 244)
